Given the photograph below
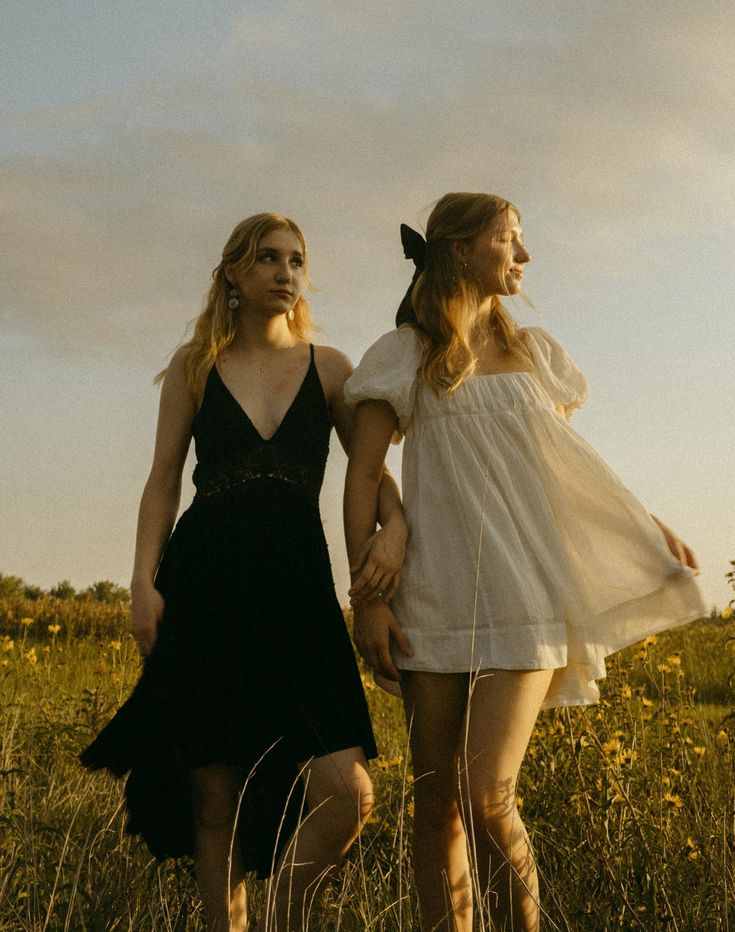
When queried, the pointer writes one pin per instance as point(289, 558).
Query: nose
point(522, 254)
point(284, 271)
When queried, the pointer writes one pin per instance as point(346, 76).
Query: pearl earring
point(234, 302)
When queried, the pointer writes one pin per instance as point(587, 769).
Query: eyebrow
point(296, 253)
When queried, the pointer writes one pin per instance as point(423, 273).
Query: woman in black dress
point(249, 683)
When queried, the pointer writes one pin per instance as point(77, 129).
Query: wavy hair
point(445, 299)
point(214, 328)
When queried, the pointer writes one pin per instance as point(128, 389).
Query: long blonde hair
point(215, 327)
point(445, 300)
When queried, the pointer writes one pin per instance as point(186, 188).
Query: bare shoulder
point(176, 374)
point(180, 359)
point(334, 367)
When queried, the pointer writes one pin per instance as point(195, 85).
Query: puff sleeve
point(558, 374)
point(388, 372)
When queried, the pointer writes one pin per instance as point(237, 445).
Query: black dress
point(253, 665)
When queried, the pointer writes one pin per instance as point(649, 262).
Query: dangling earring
point(463, 266)
point(290, 314)
point(234, 302)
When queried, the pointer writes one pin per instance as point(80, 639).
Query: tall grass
point(630, 803)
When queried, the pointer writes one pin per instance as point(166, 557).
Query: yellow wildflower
point(647, 702)
point(699, 751)
point(611, 747)
point(54, 629)
point(692, 849)
point(626, 692)
point(115, 645)
point(726, 613)
point(519, 802)
point(385, 763)
point(663, 668)
point(673, 800)
point(409, 809)
point(674, 659)
point(651, 639)
point(30, 656)
point(8, 644)
point(26, 622)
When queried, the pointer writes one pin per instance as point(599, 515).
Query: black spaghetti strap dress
point(253, 665)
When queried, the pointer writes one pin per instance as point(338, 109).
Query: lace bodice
point(231, 452)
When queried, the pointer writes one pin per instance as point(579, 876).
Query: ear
point(228, 272)
point(460, 249)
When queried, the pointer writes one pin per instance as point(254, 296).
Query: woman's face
point(495, 259)
point(273, 284)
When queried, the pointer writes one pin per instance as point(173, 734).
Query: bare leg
point(339, 796)
point(221, 884)
point(503, 708)
point(435, 706)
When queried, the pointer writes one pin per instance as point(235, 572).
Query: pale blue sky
point(136, 135)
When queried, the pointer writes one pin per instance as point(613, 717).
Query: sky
point(135, 136)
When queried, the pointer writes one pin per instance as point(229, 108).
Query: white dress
point(525, 551)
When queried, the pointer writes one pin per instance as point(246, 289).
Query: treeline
point(100, 611)
point(103, 591)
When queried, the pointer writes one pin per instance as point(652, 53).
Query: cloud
point(587, 116)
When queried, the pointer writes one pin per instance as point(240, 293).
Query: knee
point(435, 805)
point(356, 801)
point(347, 807)
point(500, 820)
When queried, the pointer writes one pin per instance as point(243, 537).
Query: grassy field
point(630, 803)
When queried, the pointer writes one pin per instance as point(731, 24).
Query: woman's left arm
point(677, 547)
point(377, 568)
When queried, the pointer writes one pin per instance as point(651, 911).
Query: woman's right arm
point(375, 625)
point(159, 504)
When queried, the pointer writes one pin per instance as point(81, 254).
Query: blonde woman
point(249, 683)
point(527, 561)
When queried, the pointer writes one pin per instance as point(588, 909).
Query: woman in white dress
point(528, 561)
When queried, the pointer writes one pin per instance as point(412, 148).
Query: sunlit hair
point(215, 327)
point(445, 298)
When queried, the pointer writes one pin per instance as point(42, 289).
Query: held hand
point(677, 547)
point(375, 626)
point(145, 615)
point(377, 570)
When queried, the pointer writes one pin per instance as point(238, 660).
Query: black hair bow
point(414, 247)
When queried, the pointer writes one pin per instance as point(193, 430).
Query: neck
point(258, 332)
point(481, 331)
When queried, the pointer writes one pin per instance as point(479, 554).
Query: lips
point(283, 294)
